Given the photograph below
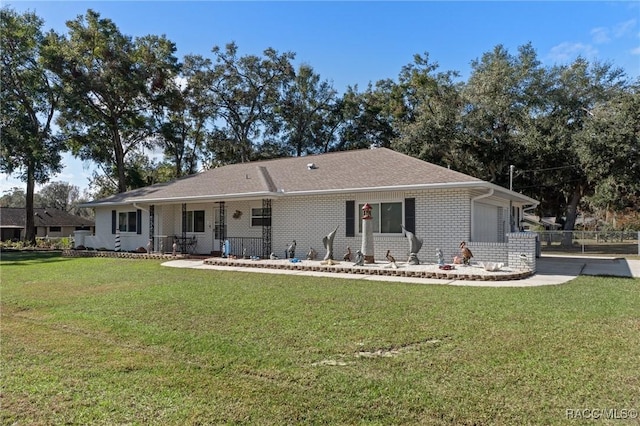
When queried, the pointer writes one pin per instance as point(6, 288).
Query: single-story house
point(260, 207)
point(48, 223)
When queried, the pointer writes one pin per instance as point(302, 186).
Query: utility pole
point(511, 168)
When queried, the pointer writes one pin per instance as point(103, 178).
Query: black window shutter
point(410, 214)
point(350, 215)
point(138, 221)
point(114, 221)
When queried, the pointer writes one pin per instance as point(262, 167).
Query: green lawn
point(118, 341)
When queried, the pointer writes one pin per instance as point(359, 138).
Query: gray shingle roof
point(14, 217)
point(345, 171)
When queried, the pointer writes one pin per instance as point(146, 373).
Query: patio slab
point(551, 270)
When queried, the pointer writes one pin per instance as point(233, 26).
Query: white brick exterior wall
point(442, 221)
point(522, 250)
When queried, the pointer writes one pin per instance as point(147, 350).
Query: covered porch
point(234, 228)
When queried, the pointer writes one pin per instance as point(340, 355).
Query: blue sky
point(357, 42)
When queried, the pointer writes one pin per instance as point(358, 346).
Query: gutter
point(445, 185)
point(277, 193)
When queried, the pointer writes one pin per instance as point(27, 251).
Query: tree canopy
point(111, 84)
point(570, 131)
point(29, 98)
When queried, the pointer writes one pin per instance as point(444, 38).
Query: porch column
point(184, 228)
point(266, 227)
point(222, 234)
point(152, 227)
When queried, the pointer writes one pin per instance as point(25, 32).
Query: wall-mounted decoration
point(237, 214)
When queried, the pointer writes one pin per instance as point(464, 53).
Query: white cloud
point(566, 52)
point(600, 35)
point(624, 28)
point(635, 51)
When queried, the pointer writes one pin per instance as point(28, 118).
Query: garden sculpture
point(466, 253)
point(291, 250)
point(328, 244)
point(347, 256)
point(312, 254)
point(415, 244)
point(359, 258)
point(391, 259)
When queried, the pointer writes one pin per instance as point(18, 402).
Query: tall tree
point(60, 195)
point(428, 106)
point(29, 97)
point(140, 171)
point(555, 137)
point(245, 91)
point(187, 117)
point(367, 118)
point(14, 197)
point(305, 112)
point(609, 149)
point(498, 97)
point(112, 84)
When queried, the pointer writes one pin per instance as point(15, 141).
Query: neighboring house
point(539, 223)
point(263, 206)
point(48, 223)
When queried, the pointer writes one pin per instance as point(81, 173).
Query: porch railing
point(164, 244)
point(245, 246)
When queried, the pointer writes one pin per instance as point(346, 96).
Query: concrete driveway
point(576, 265)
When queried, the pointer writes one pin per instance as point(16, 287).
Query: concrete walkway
point(551, 270)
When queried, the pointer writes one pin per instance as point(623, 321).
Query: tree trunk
point(572, 213)
point(119, 154)
point(30, 227)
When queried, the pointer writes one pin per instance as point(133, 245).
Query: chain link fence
point(590, 242)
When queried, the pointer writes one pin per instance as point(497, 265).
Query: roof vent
point(311, 166)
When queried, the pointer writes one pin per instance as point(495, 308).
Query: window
point(387, 217)
point(261, 217)
point(195, 221)
point(55, 229)
point(127, 221)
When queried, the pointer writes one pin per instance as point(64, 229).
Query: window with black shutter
point(410, 214)
point(350, 215)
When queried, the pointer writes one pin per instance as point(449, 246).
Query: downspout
point(140, 207)
point(473, 203)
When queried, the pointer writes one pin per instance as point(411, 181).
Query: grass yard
point(118, 341)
